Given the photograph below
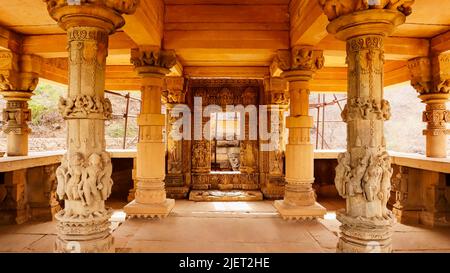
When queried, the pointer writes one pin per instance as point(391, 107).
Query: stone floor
point(223, 227)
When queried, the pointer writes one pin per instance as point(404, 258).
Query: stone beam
point(54, 45)
point(226, 71)
point(396, 48)
point(308, 23)
point(440, 43)
point(145, 26)
point(396, 72)
point(207, 39)
point(10, 40)
point(330, 79)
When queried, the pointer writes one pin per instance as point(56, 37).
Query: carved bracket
point(85, 106)
point(366, 108)
point(336, 8)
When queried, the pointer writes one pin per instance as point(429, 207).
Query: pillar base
point(435, 219)
point(83, 233)
point(407, 217)
point(364, 235)
point(98, 245)
point(291, 212)
point(157, 210)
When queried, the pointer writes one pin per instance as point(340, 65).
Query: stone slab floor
point(223, 227)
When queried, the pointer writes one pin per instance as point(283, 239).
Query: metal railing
point(125, 115)
point(321, 105)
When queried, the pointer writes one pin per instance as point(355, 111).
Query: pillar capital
point(152, 61)
point(334, 9)
point(431, 79)
point(420, 74)
point(19, 76)
point(299, 63)
point(104, 14)
point(18, 72)
point(441, 73)
point(175, 92)
point(349, 18)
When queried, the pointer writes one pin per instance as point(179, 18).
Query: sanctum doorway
point(223, 160)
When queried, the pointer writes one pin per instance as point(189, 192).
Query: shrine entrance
point(222, 161)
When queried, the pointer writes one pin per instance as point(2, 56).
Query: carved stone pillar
point(272, 165)
point(406, 183)
point(132, 191)
point(18, 79)
point(84, 177)
point(431, 79)
point(299, 197)
point(14, 207)
point(363, 175)
point(177, 158)
point(150, 198)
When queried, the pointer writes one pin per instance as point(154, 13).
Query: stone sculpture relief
point(366, 108)
point(200, 154)
point(371, 177)
point(157, 58)
point(122, 6)
point(336, 8)
point(86, 180)
point(300, 58)
point(15, 117)
point(84, 106)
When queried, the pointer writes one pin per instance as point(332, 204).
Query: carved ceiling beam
point(440, 43)
point(244, 72)
point(307, 21)
point(395, 48)
point(54, 45)
point(145, 26)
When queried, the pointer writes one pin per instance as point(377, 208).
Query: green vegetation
point(44, 104)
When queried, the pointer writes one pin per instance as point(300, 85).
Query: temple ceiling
point(239, 37)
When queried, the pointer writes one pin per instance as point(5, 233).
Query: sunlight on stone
point(118, 216)
point(330, 216)
point(231, 206)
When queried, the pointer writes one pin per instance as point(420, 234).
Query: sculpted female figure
point(62, 176)
point(106, 182)
point(385, 186)
point(90, 176)
point(342, 173)
point(372, 180)
point(75, 170)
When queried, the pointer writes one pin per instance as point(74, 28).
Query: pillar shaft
point(363, 175)
point(272, 175)
point(84, 177)
point(150, 196)
point(299, 197)
point(178, 171)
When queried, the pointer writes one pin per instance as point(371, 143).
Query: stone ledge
point(289, 212)
point(232, 195)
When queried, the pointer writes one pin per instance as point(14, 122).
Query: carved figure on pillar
point(366, 167)
point(84, 177)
